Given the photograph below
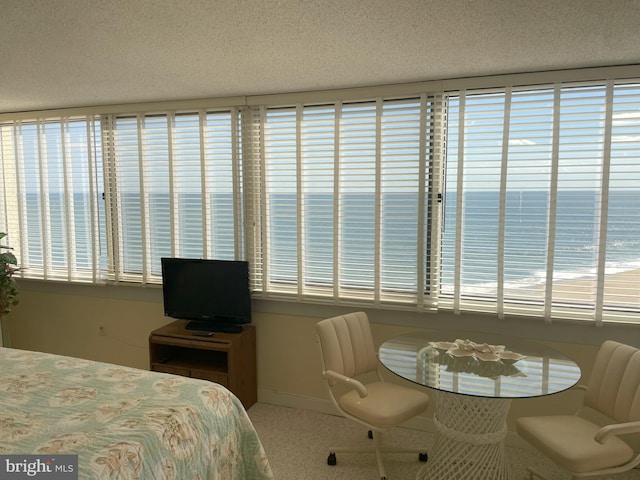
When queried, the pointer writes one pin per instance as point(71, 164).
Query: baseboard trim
point(296, 401)
point(325, 406)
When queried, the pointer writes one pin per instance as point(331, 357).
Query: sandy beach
point(622, 289)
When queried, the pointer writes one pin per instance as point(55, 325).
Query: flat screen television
point(213, 295)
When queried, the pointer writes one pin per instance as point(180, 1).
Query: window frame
point(430, 144)
point(551, 306)
point(253, 169)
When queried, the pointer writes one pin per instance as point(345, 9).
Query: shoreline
point(621, 289)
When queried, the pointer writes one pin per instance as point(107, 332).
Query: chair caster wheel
point(331, 459)
point(370, 434)
point(423, 457)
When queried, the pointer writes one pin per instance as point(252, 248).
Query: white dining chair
point(578, 444)
point(347, 351)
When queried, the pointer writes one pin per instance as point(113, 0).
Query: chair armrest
point(352, 382)
point(617, 429)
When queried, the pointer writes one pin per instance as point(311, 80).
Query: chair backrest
point(614, 386)
point(347, 345)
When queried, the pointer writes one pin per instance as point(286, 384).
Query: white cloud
point(625, 138)
point(521, 141)
point(627, 115)
point(627, 118)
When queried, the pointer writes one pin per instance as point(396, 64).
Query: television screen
point(213, 294)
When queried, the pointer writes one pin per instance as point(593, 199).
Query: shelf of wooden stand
point(225, 358)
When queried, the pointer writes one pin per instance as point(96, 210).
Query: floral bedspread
point(123, 422)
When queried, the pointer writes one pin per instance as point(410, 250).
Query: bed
point(123, 422)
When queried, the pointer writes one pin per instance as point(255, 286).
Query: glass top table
point(474, 378)
point(433, 360)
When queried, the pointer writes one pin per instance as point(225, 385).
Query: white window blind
point(542, 203)
point(51, 186)
point(518, 199)
point(346, 200)
point(175, 190)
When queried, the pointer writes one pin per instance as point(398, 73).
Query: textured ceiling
point(61, 53)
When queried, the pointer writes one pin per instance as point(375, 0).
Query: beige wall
point(66, 320)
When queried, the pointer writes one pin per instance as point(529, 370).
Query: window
point(176, 188)
point(172, 187)
point(346, 200)
point(504, 195)
point(543, 202)
point(52, 180)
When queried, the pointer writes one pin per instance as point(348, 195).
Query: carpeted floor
point(297, 443)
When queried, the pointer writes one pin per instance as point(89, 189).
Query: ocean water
point(525, 240)
point(525, 243)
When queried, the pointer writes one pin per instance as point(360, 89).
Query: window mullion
point(252, 143)
point(174, 213)
point(436, 197)
point(266, 269)
point(300, 205)
point(93, 208)
point(503, 201)
point(207, 246)
point(377, 256)
point(20, 189)
point(144, 225)
point(44, 199)
point(113, 211)
point(337, 230)
point(68, 196)
point(459, 206)
point(422, 194)
point(237, 166)
point(604, 206)
point(553, 201)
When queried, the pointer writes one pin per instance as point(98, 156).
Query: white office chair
point(347, 350)
point(579, 445)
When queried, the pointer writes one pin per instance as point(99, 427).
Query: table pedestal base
point(470, 438)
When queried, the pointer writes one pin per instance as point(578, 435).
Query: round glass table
point(474, 377)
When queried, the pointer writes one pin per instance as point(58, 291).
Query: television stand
point(229, 329)
point(225, 358)
point(213, 327)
